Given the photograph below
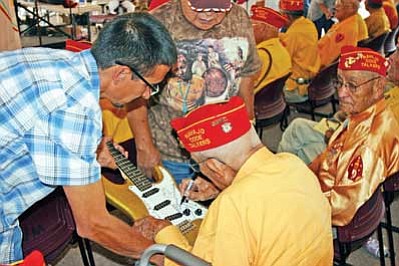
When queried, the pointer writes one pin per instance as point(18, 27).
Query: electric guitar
point(138, 196)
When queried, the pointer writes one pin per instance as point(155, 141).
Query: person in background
point(391, 12)
point(377, 23)
point(276, 61)
point(300, 39)
point(9, 32)
point(349, 30)
point(250, 221)
point(321, 13)
point(51, 127)
point(368, 139)
point(219, 30)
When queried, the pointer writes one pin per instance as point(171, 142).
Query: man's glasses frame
point(353, 88)
point(154, 87)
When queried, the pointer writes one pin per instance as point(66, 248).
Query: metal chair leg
point(381, 245)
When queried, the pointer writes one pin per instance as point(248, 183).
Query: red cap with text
point(268, 15)
point(360, 58)
point(291, 5)
point(210, 5)
point(212, 125)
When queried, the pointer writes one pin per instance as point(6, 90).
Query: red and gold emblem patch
point(339, 37)
point(355, 169)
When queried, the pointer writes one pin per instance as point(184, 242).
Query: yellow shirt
point(273, 213)
point(392, 99)
point(391, 12)
point(115, 123)
point(377, 23)
point(301, 43)
point(362, 33)
point(357, 159)
point(280, 63)
point(10, 39)
point(346, 32)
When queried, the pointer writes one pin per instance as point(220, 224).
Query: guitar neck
point(129, 169)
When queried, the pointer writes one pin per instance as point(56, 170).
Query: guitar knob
point(198, 212)
point(186, 212)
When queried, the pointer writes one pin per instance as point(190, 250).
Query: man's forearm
point(95, 223)
point(138, 122)
point(247, 94)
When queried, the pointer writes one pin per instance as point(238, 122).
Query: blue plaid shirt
point(50, 126)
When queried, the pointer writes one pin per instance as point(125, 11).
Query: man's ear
point(379, 89)
point(214, 165)
point(119, 73)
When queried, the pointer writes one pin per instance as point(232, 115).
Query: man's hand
point(147, 159)
point(150, 226)
point(219, 173)
point(327, 135)
point(201, 191)
point(104, 157)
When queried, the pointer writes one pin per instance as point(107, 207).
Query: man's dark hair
point(136, 39)
point(294, 14)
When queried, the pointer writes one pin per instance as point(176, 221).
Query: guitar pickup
point(162, 205)
point(173, 216)
point(150, 192)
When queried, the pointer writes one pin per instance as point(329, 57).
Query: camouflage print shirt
point(210, 66)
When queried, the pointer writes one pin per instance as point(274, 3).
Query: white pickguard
point(168, 191)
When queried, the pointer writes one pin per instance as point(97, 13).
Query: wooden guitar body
point(138, 197)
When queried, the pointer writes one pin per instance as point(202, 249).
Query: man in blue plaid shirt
point(50, 126)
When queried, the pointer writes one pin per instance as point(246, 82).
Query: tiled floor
point(271, 138)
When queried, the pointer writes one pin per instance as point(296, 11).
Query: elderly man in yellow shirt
point(300, 39)
point(350, 29)
point(378, 22)
point(276, 61)
point(251, 220)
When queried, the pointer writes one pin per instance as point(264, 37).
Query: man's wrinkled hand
point(150, 226)
point(202, 189)
point(104, 156)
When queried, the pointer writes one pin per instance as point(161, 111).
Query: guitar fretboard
point(131, 171)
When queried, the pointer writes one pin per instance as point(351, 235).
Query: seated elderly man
point(251, 222)
point(378, 22)
point(363, 151)
point(276, 61)
point(300, 39)
point(350, 29)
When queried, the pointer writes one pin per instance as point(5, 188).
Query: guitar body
point(137, 197)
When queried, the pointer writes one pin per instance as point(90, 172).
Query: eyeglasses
point(339, 83)
point(154, 87)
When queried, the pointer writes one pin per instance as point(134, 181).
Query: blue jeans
point(179, 170)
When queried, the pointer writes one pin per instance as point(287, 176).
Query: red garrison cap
point(291, 5)
point(361, 58)
point(212, 125)
point(269, 16)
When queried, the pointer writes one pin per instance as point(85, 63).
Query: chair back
point(365, 221)
point(77, 46)
point(376, 44)
point(322, 88)
point(48, 226)
point(390, 42)
point(270, 101)
point(391, 184)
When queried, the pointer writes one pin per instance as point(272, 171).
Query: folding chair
point(376, 44)
point(353, 235)
point(391, 187)
point(321, 91)
point(48, 226)
point(270, 105)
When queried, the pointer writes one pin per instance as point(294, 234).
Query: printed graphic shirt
point(210, 66)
